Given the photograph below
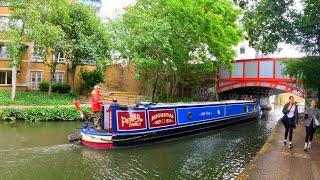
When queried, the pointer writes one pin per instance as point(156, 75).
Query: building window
point(5, 77)
point(37, 54)
point(4, 22)
point(4, 4)
point(3, 52)
point(36, 78)
point(87, 62)
point(58, 77)
point(242, 50)
point(61, 58)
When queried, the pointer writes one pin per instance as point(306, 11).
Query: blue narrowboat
point(125, 126)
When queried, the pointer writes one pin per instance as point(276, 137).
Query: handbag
point(284, 119)
point(316, 121)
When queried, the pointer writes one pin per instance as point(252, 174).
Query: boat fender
point(74, 137)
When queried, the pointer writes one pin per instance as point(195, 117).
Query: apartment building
point(32, 69)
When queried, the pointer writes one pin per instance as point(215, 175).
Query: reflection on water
point(38, 151)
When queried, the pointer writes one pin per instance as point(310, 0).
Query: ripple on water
point(220, 154)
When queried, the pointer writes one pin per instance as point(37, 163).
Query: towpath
point(276, 161)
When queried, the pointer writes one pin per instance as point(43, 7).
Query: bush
point(44, 86)
point(37, 98)
point(61, 87)
point(43, 114)
point(90, 79)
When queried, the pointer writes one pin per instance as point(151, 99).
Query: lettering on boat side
point(131, 120)
point(162, 118)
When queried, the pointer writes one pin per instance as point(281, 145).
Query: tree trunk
point(14, 82)
point(73, 74)
point(50, 83)
point(155, 87)
point(53, 67)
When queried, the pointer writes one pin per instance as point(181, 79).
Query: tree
point(165, 38)
point(275, 21)
point(58, 27)
point(14, 37)
point(87, 37)
point(46, 33)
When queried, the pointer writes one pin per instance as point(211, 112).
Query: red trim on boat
point(96, 145)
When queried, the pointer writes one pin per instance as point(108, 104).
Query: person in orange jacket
point(96, 105)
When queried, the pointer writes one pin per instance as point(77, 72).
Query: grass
point(36, 99)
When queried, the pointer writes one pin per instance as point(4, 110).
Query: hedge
point(43, 113)
point(37, 99)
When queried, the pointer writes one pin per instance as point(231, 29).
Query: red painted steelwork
point(273, 82)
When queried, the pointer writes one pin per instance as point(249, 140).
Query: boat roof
point(200, 103)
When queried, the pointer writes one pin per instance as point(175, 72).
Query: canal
point(41, 151)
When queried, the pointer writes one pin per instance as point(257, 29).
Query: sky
point(110, 8)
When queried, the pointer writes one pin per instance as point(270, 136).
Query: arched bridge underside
point(256, 77)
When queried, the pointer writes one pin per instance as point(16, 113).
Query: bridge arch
point(257, 74)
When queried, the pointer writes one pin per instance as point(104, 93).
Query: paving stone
point(277, 162)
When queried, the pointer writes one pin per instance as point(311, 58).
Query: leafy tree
point(275, 21)
point(87, 37)
point(46, 33)
point(57, 27)
point(91, 78)
point(165, 38)
point(14, 36)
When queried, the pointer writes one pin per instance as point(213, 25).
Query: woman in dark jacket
point(291, 113)
point(311, 113)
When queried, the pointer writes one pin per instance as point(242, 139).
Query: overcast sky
point(110, 8)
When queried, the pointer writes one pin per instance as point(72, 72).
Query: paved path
point(276, 161)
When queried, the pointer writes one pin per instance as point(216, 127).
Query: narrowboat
point(147, 122)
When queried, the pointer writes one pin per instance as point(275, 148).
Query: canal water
point(41, 151)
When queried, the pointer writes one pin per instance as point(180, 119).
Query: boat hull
point(107, 140)
point(129, 140)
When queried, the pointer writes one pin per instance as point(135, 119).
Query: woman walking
point(310, 117)
point(291, 114)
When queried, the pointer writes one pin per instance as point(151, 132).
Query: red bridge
point(256, 77)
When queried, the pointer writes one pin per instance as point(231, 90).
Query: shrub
point(36, 98)
point(61, 87)
point(43, 113)
point(44, 86)
point(90, 79)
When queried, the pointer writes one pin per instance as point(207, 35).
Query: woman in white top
point(291, 112)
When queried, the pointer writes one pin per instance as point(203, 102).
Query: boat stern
point(95, 139)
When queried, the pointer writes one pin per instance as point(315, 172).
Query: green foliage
point(305, 69)
point(87, 37)
point(59, 27)
point(275, 21)
point(56, 87)
point(317, 130)
point(43, 114)
point(61, 87)
point(91, 78)
point(166, 38)
point(36, 98)
point(43, 86)
point(268, 24)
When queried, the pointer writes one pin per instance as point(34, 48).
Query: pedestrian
point(290, 110)
point(96, 105)
point(311, 115)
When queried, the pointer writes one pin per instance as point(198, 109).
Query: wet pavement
point(276, 161)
